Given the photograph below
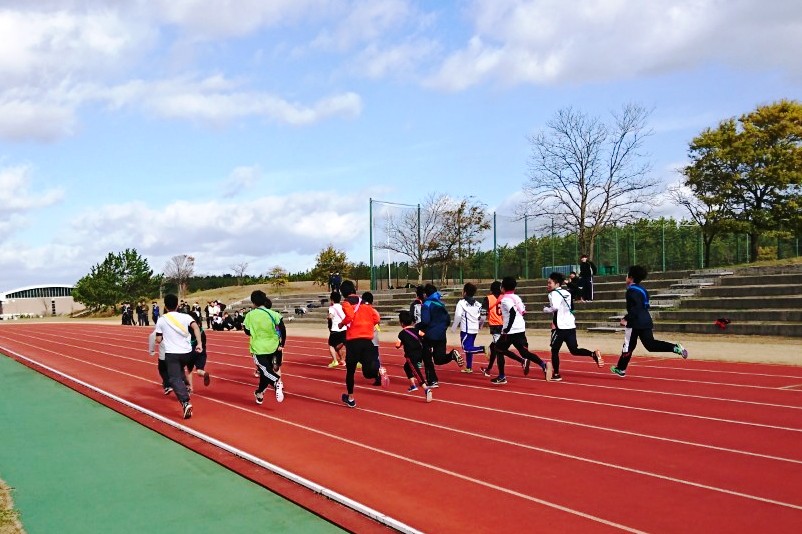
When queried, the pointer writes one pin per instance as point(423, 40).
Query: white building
point(38, 301)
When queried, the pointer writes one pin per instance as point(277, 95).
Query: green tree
point(752, 168)
point(124, 276)
point(329, 260)
point(277, 278)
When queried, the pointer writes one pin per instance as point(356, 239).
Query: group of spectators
point(141, 311)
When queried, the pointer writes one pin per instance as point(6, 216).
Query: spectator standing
point(587, 269)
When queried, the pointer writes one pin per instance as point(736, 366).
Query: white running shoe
point(279, 391)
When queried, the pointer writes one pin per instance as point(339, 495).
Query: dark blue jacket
point(638, 315)
point(435, 319)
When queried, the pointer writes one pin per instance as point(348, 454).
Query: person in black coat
point(586, 271)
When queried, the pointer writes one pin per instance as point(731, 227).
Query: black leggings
point(517, 340)
point(360, 351)
point(567, 336)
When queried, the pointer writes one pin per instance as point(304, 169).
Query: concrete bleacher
point(757, 301)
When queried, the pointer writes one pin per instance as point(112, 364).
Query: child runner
point(268, 335)
point(468, 316)
point(162, 366)
point(415, 307)
point(360, 321)
point(336, 333)
point(563, 325)
point(198, 360)
point(173, 330)
point(413, 353)
point(434, 323)
point(638, 323)
point(383, 379)
point(514, 333)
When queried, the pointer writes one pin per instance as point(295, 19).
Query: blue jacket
point(434, 319)
point(638, 315)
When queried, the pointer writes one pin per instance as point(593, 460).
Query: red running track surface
point(678, 445)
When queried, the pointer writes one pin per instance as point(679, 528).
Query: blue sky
point(250, 131)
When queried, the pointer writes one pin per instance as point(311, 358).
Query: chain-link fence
point(531, 247)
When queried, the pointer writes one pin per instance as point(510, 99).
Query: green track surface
point(77, 466)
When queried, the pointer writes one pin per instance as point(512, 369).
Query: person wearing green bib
point(267, 333)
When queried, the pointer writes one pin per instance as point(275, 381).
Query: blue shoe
point(410, 389)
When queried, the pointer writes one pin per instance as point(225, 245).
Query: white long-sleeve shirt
point(560, 302)
point(507, 302)
point(468, 316)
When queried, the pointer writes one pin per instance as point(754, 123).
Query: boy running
point(514, 333)
point(638, 323)
point(383, 379)
point(361, 321)
point(198, 360)
point(413, 353)
point(336, 333)
point(267, 333)
point(434, 323)
point(173, 330)
point(468, 316)
point(563, 325)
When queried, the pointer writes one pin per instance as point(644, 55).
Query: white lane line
point(315, 487)
point(493, 439)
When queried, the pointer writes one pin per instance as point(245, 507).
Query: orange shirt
point(493, 312)
point(360, 318)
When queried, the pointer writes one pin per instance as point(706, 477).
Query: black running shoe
point(526, 365)
point(187, 410)
point(168, 390)
point(499, 380)
point(207, 379)
point(349, 403)
point(556, 377)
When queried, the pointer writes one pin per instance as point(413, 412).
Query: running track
point(678, 445)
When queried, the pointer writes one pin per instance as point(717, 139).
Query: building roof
point(4, 296)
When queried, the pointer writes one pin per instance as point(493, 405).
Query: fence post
point(495, 249)
point(372, 274)
point(552, 242)
point(526, 247)
point(663, 227)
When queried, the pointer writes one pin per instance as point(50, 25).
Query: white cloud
point(240, 179)
point(302, 223)
point(16, 194)
point(550, 42)
point(364, 23)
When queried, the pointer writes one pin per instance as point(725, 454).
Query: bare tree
point(462, 229)
point(239, 271)
point(449, 229)
point(708, 210)
point(585, 174)
point(180, 269)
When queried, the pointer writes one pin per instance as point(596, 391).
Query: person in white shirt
point(513, 332)
point(172, 330)
point(336, 332)
point(563, 325)
point(468, 316)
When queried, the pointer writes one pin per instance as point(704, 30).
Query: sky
point(257, 131)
